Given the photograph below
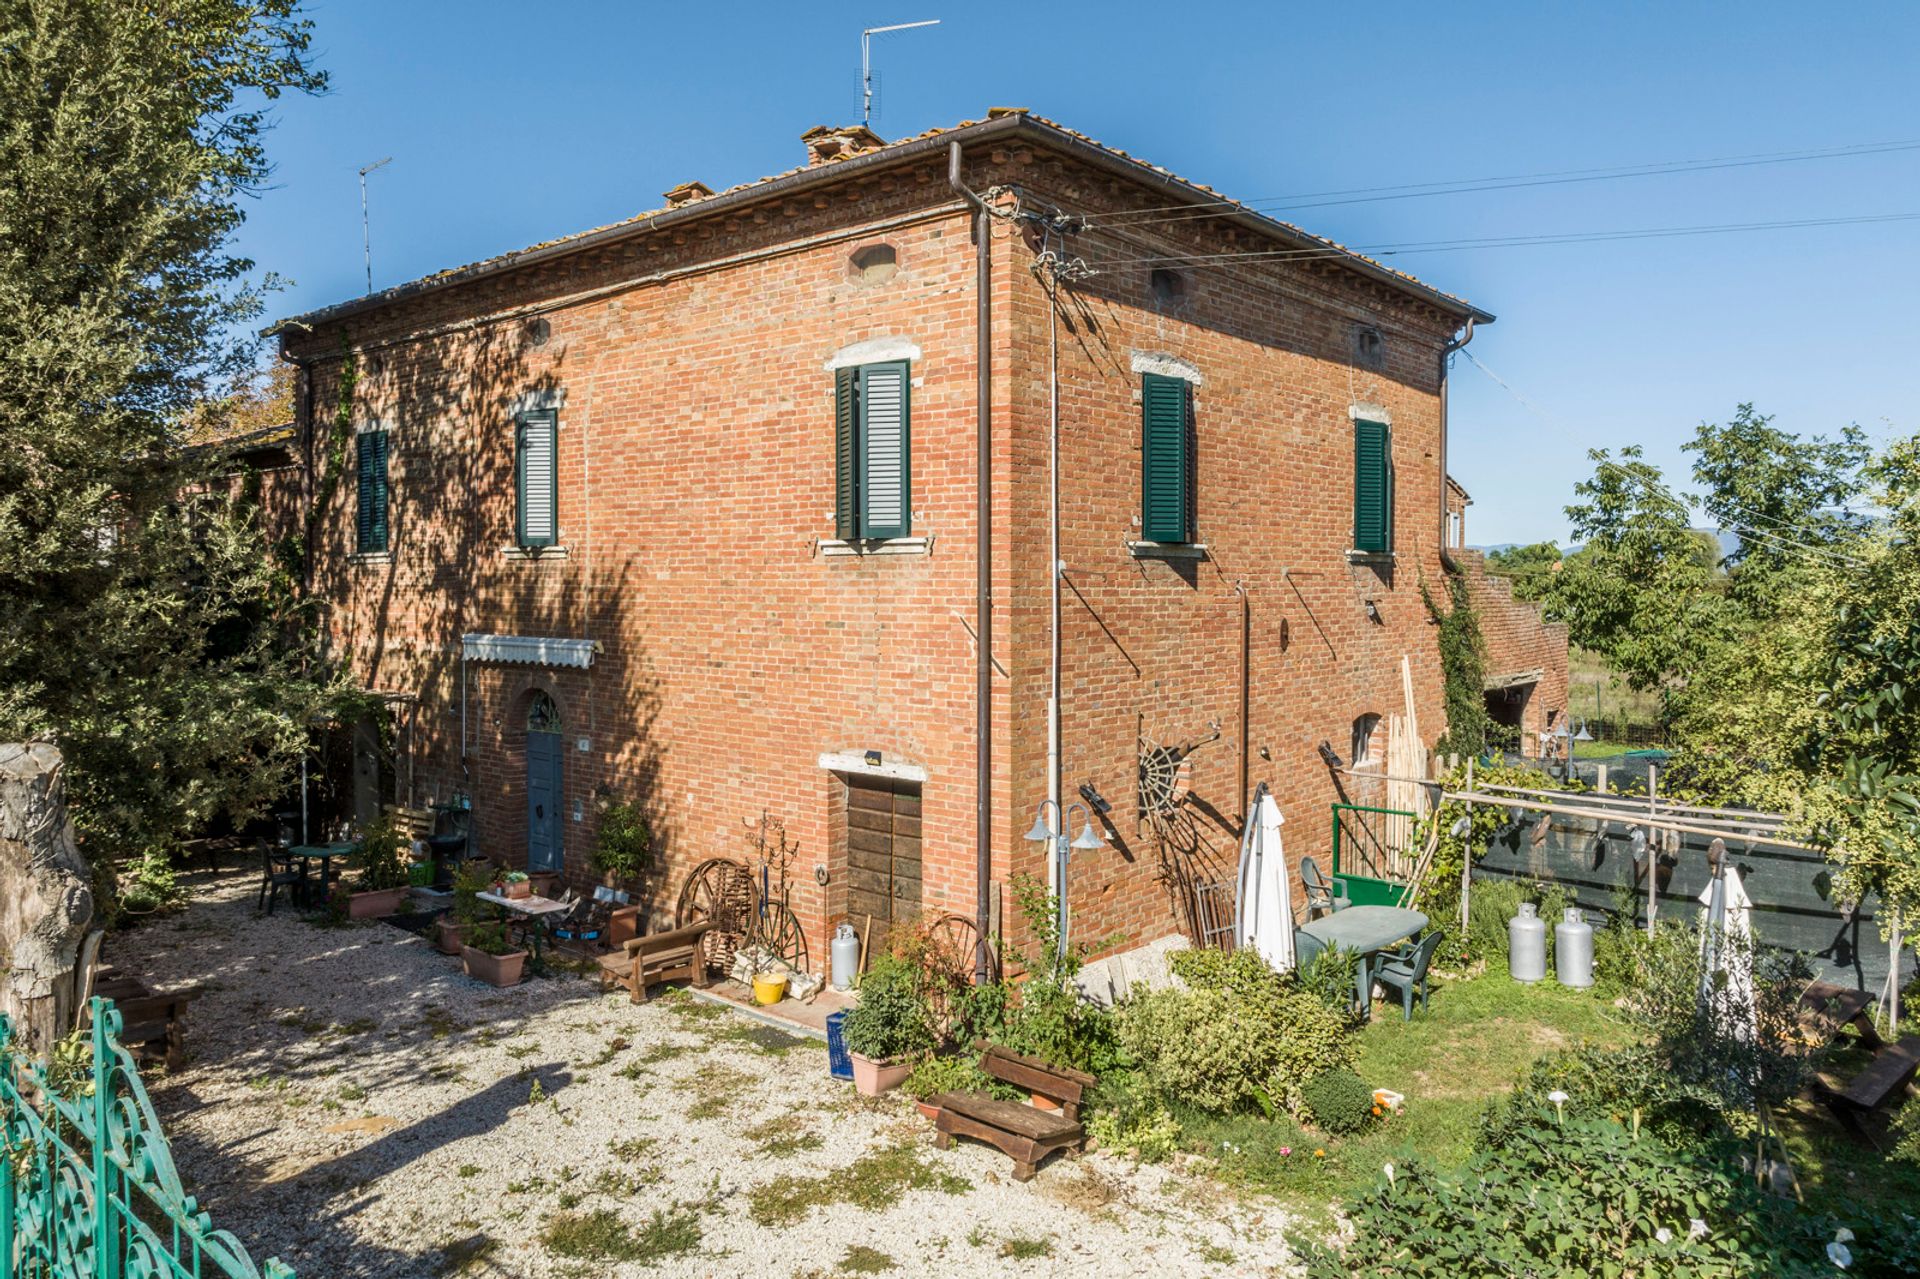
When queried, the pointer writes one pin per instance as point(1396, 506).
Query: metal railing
point(88, 1188)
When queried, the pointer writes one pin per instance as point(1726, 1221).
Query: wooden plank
point(870, 841)
point(1029, 1123)
point(1003, 1056)
point(907, 803)
point(868, 800)
point(871, 820)
point(1891, 1070)
point(859, 903)
point(905, 827)
point(863, 855)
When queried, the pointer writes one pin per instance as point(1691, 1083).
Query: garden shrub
point(1633, 1085)
point(1331, 977)
point(938, 1074)
point(1492, 906)
point(1240, 1034)
point(1589, 1197)
point(1338, 1102)
point(1131, 1119)
point(891, 1020)
point(1047, 1017)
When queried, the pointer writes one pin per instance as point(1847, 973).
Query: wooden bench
point(668, 956)
point(1024, 1133)
point(1824, 1010)
point(153, 1022)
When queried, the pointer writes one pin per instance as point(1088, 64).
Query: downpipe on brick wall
point(1446, 357)
point(983, 572)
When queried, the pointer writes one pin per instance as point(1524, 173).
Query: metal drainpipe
point(1053, 576)
point(983, 571)
point(1446, 354)
point(1246, 696)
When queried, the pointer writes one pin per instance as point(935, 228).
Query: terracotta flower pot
point(375, 905)
point(928, 1111)
point(452, 936)
point(875, 1077)
point(517, 888)
point(543, 882)
point(495, 970)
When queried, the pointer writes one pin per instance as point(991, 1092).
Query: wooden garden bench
point(668, 956)
point(1824, 1010)
point(1024, 1133)
point(152, 1022)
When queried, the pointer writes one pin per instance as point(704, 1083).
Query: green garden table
point(324, 854)
point(1367, 929)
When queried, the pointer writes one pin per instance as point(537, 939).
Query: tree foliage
point(141, 626)
point(1643, 579)
point(1530, 568)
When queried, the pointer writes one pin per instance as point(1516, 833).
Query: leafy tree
point(1531, 568)
point(1644, 578)
point(141, 626)
point(1784, 495)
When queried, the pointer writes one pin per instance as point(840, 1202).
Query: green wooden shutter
point(1372, 487)
point(1166, 460)
point(846, 454)
point(885, 488)
point(370, 475)
point(536, 479)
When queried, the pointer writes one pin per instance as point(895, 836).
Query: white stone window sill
point(1371, 557)
point(533, 552)
point(372, 557)
point(835, 546)
point(1167, 550)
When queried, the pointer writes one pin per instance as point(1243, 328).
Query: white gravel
point(356, 1106)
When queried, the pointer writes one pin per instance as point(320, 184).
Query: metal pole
point(1466, 854)
point(366, 233)
point(1653, 849)
point(1053, 582)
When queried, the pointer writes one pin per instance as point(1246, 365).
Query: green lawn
point(1467, 1048)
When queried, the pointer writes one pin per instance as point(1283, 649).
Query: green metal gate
point(1364, 858)
point(88, 1189)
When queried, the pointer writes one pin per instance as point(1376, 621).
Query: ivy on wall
point(1463, 668)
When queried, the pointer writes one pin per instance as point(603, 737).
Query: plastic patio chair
point(1405, 969)
point(277, 871)
point(1322, 899)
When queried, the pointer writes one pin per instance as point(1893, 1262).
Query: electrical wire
point(1654, 486)
point(1507, 182)
point(1199, 261)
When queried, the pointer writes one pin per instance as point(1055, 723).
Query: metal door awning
point(528, 650)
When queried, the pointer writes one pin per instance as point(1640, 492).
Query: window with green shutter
point(370, 508)
point(536, 478)
point(1372, 487)
point(872, 451)
point(1166, 459)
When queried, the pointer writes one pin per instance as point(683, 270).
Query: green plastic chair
point(1404, 969)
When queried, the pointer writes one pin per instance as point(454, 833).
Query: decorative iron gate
point(88, 1189)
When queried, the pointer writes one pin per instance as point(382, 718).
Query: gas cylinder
point(1527, 944)
point(846, 955)
point(1573, 949)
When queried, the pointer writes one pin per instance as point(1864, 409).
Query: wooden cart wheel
point(720, 892)
point(953, 945)
point(779, 933)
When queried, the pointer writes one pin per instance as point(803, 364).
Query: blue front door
point(543, 801)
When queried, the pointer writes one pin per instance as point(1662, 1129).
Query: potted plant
point(383, 879)
point(489, 956)
point(513, 883)
point(888, 1028)
point(622, 852)
point(469, 881)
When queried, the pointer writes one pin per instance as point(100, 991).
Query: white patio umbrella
point(1263, 908)
point(1727, 911)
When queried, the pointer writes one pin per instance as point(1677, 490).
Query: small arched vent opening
point(874, 264)
point(1169, 288)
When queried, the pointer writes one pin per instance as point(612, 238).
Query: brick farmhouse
point(685, 511)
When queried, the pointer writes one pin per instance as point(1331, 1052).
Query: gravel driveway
point(356, 1106)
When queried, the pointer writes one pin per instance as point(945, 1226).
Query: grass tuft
point(601, 1235)
point(871, 1182)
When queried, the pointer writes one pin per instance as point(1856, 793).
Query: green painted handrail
point(88, 1188)
point(1358, 808)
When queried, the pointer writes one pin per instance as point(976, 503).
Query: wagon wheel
point(953, 944)
point(719, 892)
point(779, 934)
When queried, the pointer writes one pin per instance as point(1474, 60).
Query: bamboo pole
point(1653, 853)
point(1627, 816)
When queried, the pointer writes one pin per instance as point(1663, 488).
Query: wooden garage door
point(883, 850)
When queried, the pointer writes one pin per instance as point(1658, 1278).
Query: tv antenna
point(866, 63)
point(366, 234)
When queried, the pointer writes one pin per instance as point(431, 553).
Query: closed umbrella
point(1726, 976)
point(1263, 911)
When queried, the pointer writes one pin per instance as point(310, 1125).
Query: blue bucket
point(839, 1065)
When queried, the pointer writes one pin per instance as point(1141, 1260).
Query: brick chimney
point(687, 193)
point(824, 144)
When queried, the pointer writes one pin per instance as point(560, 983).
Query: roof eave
point(813, 175)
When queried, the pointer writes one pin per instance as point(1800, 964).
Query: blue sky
point(509, 124)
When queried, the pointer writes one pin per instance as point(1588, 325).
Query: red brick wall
point(696, 477)
point(1518, 640)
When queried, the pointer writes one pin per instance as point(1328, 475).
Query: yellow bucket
point(769, 988)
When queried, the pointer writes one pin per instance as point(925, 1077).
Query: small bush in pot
point(382, 879)
point(490, 957)
point(623, 849)
point(888, 1027)
point(469, 881)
